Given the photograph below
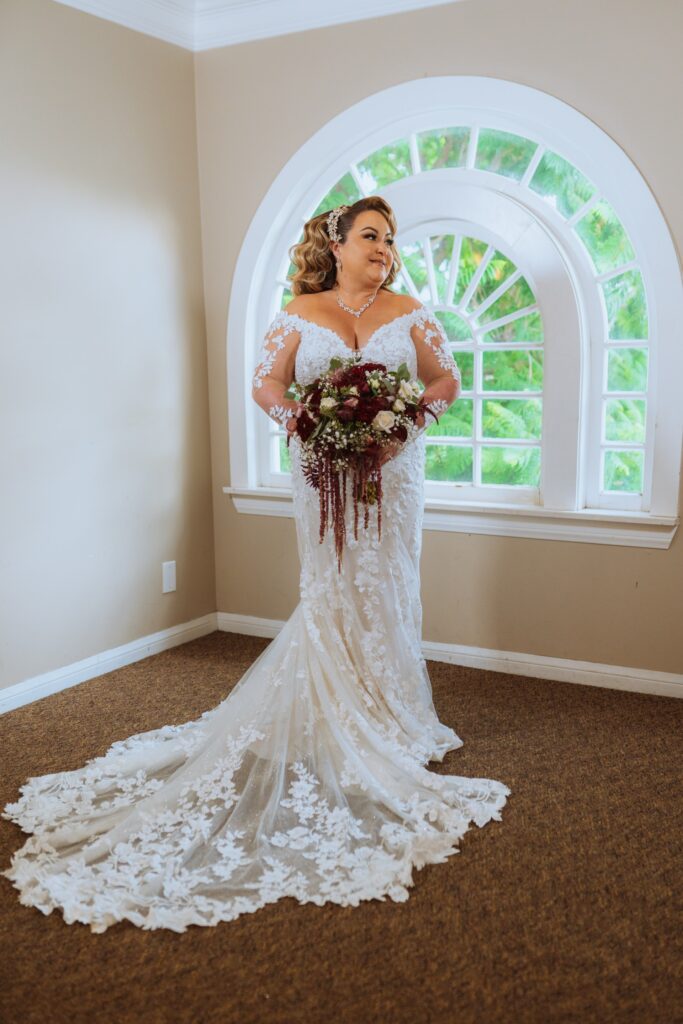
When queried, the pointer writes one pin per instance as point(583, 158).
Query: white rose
point(405, 389)
point(398, 405)
point(353, 390)
point(328, 403)
point(384, 420)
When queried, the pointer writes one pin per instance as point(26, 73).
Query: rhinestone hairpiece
point(332, 219)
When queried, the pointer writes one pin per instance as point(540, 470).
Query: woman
point(309, 779)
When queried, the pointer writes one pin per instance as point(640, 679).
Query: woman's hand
point(290, 425)
point(392, 450)
point(389, 452)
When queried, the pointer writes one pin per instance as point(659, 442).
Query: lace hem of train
point(149, 878)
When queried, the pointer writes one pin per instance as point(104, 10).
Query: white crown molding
point(207, 24)
point(224, 23)
point(170, 20)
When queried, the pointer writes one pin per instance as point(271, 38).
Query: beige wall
point(109, 464)
point(617, 62)
point(104, 462)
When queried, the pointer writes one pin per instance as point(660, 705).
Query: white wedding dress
point(309, 780)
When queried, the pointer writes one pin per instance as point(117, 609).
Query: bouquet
point(347, 417)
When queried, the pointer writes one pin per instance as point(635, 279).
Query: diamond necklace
point(356, 312)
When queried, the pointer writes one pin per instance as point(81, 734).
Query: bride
point(309, 780)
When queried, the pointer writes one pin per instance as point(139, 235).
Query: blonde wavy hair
point(316, 268)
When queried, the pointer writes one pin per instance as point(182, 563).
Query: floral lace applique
point(280, 414)
point(273, 342)
point(435, 337)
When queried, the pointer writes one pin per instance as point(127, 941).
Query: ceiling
point(206, 24)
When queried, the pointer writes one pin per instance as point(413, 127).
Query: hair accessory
point(332, 219)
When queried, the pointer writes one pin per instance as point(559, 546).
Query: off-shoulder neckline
point(330, 330)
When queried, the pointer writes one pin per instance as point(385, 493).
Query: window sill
point(585, 526)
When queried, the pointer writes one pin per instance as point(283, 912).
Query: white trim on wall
point(616, 677)
point(37, 687)
point(535, 666)
point(173, 21)
point(586, 526)
point(208, 24)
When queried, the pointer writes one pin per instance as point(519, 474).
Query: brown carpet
point(569, 909)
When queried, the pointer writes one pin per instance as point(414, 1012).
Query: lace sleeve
point(274, 372)
point(436, 367)
point(433, 355)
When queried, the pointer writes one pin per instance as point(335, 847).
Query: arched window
point(542, 251)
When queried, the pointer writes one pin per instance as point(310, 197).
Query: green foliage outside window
point(519, 369)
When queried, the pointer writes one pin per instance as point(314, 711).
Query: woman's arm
point(438, 371)
point(436, 367)
point(275, 372)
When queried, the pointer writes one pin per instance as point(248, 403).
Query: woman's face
point(366, 254)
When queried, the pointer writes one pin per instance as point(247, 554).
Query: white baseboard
point(251, 625)
point(89, 668)
point(586, 673)
point(566, 670)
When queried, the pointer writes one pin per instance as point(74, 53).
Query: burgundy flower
point(305, 425)
point(366, 412)
point(344, 414)
point(313, 400)
point(321, 463)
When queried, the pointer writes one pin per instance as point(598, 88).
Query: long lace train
point(308, 780)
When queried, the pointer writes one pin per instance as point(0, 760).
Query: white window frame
point(630, 520)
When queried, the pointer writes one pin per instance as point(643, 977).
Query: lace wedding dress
point(309, 780)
